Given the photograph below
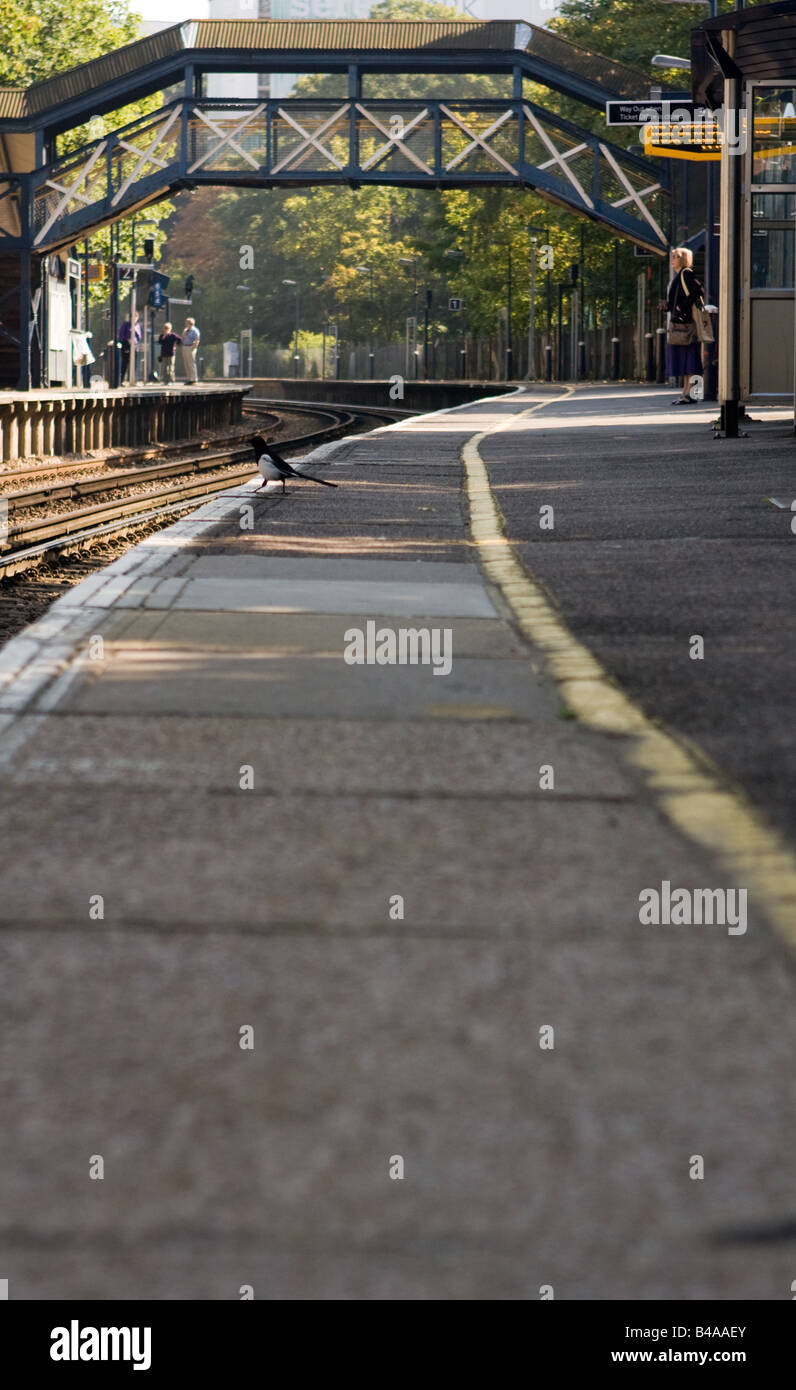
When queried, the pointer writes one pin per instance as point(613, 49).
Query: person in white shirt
point(190, 343)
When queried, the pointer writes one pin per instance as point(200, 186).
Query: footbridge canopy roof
point(218, 45)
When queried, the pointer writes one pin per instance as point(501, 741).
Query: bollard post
point(614, 359)
point(650, 364)
point(660, 355)
point(582, 360)
point(548, 362)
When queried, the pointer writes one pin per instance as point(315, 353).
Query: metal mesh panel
point(617, 78)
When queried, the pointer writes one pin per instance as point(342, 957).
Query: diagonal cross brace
point(146, 156)
point(73, 191)
point(633, 196)
point(560, 159)
point(478, 140)
point(227, 137)
point(395, 140)
point(310, 141)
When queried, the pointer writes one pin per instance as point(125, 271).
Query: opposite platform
point(37, 423)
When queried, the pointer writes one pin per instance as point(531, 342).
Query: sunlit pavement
point(475, 1073)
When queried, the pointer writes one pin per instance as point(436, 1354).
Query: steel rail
point(71, 532)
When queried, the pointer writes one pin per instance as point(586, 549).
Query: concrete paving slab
point(407, 599)
point(285, 634)
point(335, 862)
point(492, 1129)
point(211, 1262)
point(264, 566)
point(387, 541)
point(155, 678)
point(323, 758)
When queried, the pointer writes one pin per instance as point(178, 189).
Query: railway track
point(32, 541)
point(160, 452)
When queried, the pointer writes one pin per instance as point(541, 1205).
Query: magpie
point(273, 466)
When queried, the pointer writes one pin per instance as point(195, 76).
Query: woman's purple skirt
point(684, 361)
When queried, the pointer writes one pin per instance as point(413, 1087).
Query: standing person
point(168, 347)
point(190, 342)
point(683, 349)
point(125, 334)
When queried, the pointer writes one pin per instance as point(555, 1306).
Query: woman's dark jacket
point(683, 295)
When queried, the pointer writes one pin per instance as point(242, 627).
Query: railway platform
point(334, 957)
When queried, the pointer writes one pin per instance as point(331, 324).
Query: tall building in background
point(532, 11)
point(245, 86)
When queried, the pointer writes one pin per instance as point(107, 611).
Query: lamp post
point(330, 330)
point(295, 285)
point(534, 234)
point(509, 350)
point(509, 366)
point(666, 60)
point(454, 255)
point(368, 270)
point(146, 336)
point(247, 290)
point(414, 262)
point(615, 363)
point(139, 222)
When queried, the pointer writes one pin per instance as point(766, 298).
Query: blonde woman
point(683, 350)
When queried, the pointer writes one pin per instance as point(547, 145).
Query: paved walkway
point(215, 823)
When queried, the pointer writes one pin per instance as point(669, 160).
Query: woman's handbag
point(702, 323)
point(699, 330)
point(681, 334)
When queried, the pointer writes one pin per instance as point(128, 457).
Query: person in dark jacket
point(684, 292)
point(126, 333)
point(168, 349)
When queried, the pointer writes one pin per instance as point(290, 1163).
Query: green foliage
point(43, 37)
point(18, 30)
point(632, 30)
point(413, 9)
point(320, 235)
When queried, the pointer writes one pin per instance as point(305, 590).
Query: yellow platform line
point(687, 787)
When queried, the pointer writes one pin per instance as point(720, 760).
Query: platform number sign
point(455, 305)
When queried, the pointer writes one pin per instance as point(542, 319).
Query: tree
point(320, 235)
point(18, 30)
point(631, 30)
point(42, 38)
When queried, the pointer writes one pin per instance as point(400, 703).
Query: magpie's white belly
point(269, 470)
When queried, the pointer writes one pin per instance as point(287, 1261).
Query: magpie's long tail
point(310, 479)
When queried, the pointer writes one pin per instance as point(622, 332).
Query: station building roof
point(764, 49)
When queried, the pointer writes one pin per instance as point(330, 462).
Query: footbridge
point(53, 194)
